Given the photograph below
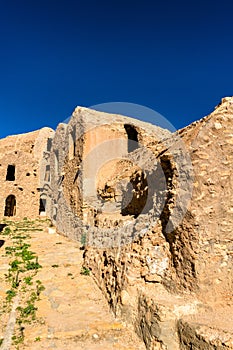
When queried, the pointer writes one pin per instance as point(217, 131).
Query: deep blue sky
point(175, 57)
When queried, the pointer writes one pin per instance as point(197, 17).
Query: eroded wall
point(192, 255)
point(24, 153)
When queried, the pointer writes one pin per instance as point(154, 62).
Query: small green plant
point(37, 339)
point(7, 231)
point(85, 271)
point(15, 265)
point(39, 287)
point(27, 311)
point(10, 294)
point(28, 280)
point(33, 266)
point(22, 269)
point(18, 340)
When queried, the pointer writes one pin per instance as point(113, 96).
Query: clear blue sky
point(175, 57)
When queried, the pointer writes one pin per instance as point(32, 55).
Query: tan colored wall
point(89, 141)
point(157, 221)
point(25, 152)
point(165, 275)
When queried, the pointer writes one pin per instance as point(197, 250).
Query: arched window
point(132, 137)
point(10, 206)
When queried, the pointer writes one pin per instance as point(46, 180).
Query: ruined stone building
point(22, 167)
point(154, 210)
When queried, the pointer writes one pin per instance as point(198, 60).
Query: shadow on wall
point(2, 227)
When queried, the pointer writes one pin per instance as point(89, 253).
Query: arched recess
point(10, 206)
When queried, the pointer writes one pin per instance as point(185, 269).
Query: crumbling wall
point(192, 255)
point(81, 150)
point(154, 214)
point(24, 153)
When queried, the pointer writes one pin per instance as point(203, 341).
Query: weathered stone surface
point(24, 154)
point(71, 311)
point(154, 211)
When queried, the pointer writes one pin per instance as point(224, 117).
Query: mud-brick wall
point(195, 258)
point(23, 153)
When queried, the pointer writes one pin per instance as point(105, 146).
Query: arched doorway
point(10, 206)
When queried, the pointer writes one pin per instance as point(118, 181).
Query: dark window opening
point(49, 145)
point(47, 173)
point(132, 137)
point(135, 198)
point(10, 206)
point(10, 176)
point(42, 206)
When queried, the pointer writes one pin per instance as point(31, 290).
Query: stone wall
point(21, 171)
point(153, 210)
point(177, 258)
point(84, 152)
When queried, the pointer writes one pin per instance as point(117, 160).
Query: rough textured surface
point(24, 154)
point(71, 313)
point(154, 211)
point(192, 261)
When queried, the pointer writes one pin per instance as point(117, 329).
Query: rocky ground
point(57, 304)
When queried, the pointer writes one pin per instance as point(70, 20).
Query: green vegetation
point(85, 271)
point(23, 267)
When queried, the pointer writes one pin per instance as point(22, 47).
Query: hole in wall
point(10, 176)
point(42, 208)
point(135, 197)
point(132, 135)
point(49, 145)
